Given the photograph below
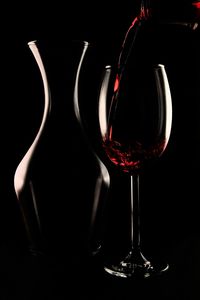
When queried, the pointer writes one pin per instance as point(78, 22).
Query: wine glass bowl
point(127, 140)
point(135, 119)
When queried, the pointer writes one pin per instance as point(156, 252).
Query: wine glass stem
point(135, 212)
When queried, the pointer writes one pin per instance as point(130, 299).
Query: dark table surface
point(73, 276)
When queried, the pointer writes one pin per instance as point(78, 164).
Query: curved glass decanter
point(23, 185)
point(102, 184)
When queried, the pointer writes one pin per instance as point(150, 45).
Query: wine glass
point(135, 119)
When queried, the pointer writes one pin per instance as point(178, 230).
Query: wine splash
point(130, 158)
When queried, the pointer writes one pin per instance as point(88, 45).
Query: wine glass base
point(137, 269)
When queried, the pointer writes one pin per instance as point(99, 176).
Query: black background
point(64, 170)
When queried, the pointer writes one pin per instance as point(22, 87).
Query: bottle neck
point(145, 10)
point(181, 12)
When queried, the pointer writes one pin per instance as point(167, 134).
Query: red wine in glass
point(135, 118)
